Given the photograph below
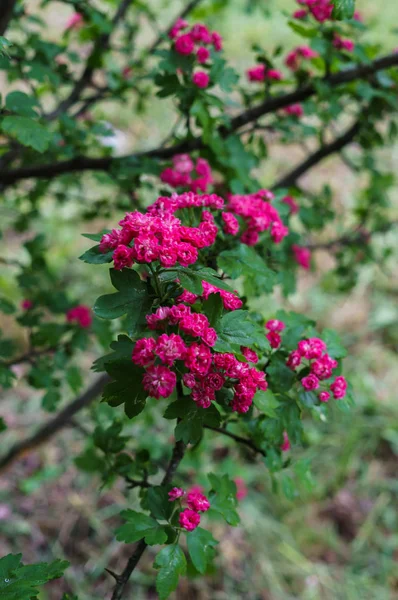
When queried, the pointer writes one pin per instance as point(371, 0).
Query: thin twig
point(122, 579)
point(84, 163)
point(53, 425)
point(238, 438)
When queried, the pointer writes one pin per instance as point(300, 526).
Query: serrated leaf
point(201, 548)
point(93, 256)
point(223, 498)
point(21, 104)
point(7, 307)
point(20, 582)
point(172, 563)
point(139, 526)
point(192, 419)
point(235, 329)
point(266, 402)
point(27, 132)
point(127, 388)
point(343, 9)
point(158, 502)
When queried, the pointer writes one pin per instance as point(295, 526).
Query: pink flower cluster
point(343, 44)
point(261, 73)
point(75, 21)
point(197, 502)
point(207, 371)
point(321, 364)
point(302, 256)
point(294, 110)
point(295, 57)
point(231, 300)
point(290, 201)
point(274, 328)
point(259, 216)
point(196, 40)
point(321, 10)
point(159, 237)
point(81, 315)
point(165, 205)
point(181, 174)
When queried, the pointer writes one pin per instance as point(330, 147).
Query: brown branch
point(84, 163)
point(359, 235)
point(238, 438)
point(122, 579)
point(53, 425)
point(324, 151)
point(28, 356)
point(6, 13)
point(100, 47)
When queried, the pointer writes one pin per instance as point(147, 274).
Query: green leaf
point(280, 377)
point(172, 563)
point(19, 582)
point(192, 280)
point(74, 378)
point(244, 260)
point(192, 419)
point(127, 388)
point(27, 132)
point(223, 498)
point(213, 308)
point(138, 527)
point(201, 548)
point(131, 299)
point(122, 350)
point(158, 502)
point(333, 343)
point(266, 402)
point(7, 307)
point(21, 103)
point(343, 9)
point(236, 329)
point(93, 256)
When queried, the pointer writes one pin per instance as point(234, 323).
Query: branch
point(6, 13)
point(238, 438)
point(121, 580)
point(360, 235)
point(100, 46)
point(324, 151)
point(55, 424)
point(84, 163)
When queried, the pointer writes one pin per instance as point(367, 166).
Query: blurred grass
point(337, 540)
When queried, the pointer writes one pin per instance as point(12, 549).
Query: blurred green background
point(334, 538)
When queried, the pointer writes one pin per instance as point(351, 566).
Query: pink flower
point(294, 360)
point(342, 44)
point(189, 519)
point(290, 201)
point(294, 110)
point(217, 41)
point(198, 502)
point(358, 16)
point(256, 73)
point(300, 14)
point(178, 25)
point(275, 325)
point(274, 339)
point(339, 387)
point(170, 348)
point(184, 44)
point(203, 54)
point(198, 359)
point(158, 318)
point(249, 354)
point(127, 72)
point(311, 382)
point(241, 489)
point(324, 396)
point(209, 336)
point(231, 223)
point(159, 381)
point(285, 446)
point(143, 352)
point(200, 33)
point(201, 79)
point(175, 493)
point(302, 256)
point(122, 257)
point(81, 315)
point(26, 304)
point(74, 22)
